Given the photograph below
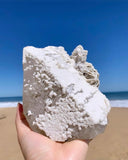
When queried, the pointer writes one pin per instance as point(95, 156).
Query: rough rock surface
point(85, 68)
point(58, 100)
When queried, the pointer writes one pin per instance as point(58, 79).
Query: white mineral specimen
point(57, 98)
point(85, 68)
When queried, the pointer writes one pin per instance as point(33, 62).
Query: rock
point(86, 69)
point(58, 101)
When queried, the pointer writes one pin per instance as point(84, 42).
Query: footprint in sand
point(2, 116)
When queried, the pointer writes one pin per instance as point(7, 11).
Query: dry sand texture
point(112, 145)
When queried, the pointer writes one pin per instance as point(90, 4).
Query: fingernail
point(20, 107)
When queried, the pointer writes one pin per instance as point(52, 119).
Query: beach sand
point(111, 145)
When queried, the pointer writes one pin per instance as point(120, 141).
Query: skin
point(35, 146)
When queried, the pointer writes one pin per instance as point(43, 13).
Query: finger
point(20, 121)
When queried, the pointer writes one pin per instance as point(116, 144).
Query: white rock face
point(57, 98)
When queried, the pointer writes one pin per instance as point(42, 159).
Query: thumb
point(22, 126)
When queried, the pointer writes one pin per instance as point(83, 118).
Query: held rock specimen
point(60, 96)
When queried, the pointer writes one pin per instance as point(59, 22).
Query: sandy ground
point(111, 145)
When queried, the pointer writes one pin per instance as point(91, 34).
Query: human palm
point(35, 146)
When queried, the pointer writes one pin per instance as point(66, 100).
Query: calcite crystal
point(60, 97)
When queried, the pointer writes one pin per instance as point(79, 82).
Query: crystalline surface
point(58, 99)
point(85, 68)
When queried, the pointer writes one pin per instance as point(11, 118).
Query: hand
point(35, 146)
